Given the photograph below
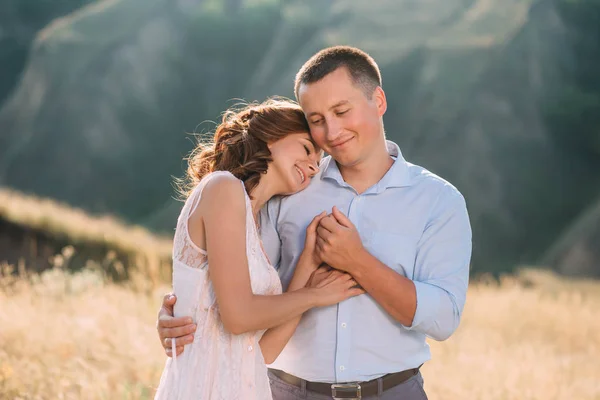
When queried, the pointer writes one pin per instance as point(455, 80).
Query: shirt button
point(342, 368)
point(343, 324)
point(249, 348)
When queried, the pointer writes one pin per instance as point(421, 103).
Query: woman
point(221, 274)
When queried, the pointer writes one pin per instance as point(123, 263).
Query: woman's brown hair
point(240, 142)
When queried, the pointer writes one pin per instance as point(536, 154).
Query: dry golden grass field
point(75, 337)
point(533, 335)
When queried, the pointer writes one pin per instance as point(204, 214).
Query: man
point(401, 231)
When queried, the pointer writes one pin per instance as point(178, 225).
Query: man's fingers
point(323, 233)
point(180, 341)
point(329, 223)
point(167, 342)
point(178, 351)
point(320, 243)
point(353, 284)
point(164, 321)
point(166, 310)
point(340, 217)
point(168, 300)
point(355, 292)
point(315, 222)
point(177, 332)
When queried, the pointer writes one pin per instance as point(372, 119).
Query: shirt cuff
point(428, 303)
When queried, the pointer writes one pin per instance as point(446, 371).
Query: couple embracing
point(332, 271)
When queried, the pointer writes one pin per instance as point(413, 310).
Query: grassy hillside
point(533, 336)
point(40, 233)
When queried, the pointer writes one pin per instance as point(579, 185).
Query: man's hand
point(182, 329)
point(338, 241)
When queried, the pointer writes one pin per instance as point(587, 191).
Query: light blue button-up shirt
point(415, 223)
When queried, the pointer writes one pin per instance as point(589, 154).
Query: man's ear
point(380, 100)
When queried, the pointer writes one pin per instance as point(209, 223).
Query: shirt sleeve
point(442, 267)
point(268, 230)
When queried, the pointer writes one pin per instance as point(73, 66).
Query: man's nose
point(334, 129)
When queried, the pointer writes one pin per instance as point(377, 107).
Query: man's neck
point(368, 172)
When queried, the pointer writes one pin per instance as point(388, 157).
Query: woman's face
point(295, 161)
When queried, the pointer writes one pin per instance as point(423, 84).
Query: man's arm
point(394, 292)
point(442, 269)
point(432, 303)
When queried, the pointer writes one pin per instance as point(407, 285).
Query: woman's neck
point(260, 194)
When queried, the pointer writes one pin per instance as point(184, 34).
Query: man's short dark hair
point(362, 68)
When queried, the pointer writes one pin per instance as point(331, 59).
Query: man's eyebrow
point(339, 103)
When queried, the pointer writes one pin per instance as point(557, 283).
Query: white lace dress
point(217, 365)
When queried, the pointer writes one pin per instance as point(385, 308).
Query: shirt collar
point(397, 176)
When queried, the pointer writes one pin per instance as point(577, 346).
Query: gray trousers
point(412, 389)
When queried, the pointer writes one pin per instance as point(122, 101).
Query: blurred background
point(98, 100)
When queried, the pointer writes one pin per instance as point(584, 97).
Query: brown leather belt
point(352, 390)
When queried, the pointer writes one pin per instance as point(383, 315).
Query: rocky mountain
point(20, 21)
point(102, 116)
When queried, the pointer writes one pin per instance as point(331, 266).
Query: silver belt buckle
point(347, 391)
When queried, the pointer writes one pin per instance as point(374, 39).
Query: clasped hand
point(338, 243)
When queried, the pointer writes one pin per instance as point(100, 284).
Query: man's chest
point(390, 224)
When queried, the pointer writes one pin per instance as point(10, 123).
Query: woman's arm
point(306, 274)
point(222, 211)
point(275, 339)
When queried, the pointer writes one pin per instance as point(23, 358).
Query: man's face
point(343, 121)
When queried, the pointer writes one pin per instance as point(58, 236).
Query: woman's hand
point(309, 258)
point(331, 286)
